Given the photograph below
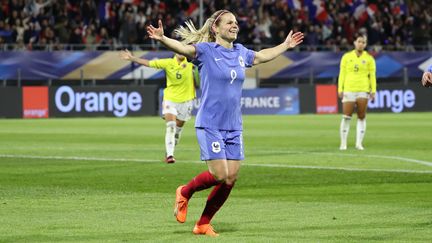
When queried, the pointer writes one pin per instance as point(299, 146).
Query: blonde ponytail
point(190, 35)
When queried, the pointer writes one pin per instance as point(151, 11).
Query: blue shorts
point(220, 144)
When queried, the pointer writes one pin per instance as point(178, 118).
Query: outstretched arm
point(174, 45)
point(126, 55)
point(269, 54)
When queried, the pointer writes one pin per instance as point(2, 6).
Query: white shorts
point(353, 96)
point(183, 111)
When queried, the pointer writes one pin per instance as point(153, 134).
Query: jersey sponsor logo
point(216, 148)
point(241, 61)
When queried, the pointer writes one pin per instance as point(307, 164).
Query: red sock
point(200, 182)
point(214, 202)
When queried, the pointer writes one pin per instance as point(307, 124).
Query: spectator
point(128, 31)
point(312, 38)
point(62, 30)
point(6, 33)
point(88, 11)
point(34, 7)
point(421, 35)
point(75, 38)
point(103, 40)
point(89, 38)
point(30, 34)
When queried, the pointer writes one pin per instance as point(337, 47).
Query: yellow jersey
point(179, 77)
point(357, 74)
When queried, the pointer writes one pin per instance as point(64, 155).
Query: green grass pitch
point(103, 180)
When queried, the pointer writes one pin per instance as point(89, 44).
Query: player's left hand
point(156, 33)
point(427, 79)
point(294, 39)
point(126, 55)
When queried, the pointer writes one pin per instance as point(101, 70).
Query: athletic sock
point(361, 130)
point(169, 138)
point(200, 182)
point(215, 200)
point(178, 134)
point(344, 129)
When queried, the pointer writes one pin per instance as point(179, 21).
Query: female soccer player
point(221, 65)
point(357, 84)
point(178, 95)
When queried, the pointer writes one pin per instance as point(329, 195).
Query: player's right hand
point(156, 33)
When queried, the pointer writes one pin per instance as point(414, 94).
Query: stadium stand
point(111, 25)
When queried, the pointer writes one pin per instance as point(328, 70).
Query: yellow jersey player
point(178, 95)
point(357, 84)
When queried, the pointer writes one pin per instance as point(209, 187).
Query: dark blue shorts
point(220, 144)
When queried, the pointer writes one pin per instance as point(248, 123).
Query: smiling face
point(226, 27)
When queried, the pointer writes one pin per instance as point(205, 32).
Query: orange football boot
point(205, 229)
point(180, 206)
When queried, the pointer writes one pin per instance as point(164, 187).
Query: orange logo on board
point(35, 102)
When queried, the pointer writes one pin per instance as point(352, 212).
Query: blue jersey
point(222, 73)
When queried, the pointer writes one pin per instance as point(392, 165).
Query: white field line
point(272, 151)
point(342, 153)
point(196, 162)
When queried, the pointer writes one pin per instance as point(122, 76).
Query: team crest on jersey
point(363, 61)
point(183, 65)
point(216, 147)
point(241, 61)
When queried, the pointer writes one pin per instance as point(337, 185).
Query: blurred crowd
point(113, 24)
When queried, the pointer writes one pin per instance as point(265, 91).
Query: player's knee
point(171, 126)
point(231, 180)
point(220, 174)
point(346, 117)
point(220, 177)
point(361, 116)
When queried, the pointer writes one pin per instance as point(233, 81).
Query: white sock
point(169, 138)
point(344, 129)
point(178, 134)
point(361, 130)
